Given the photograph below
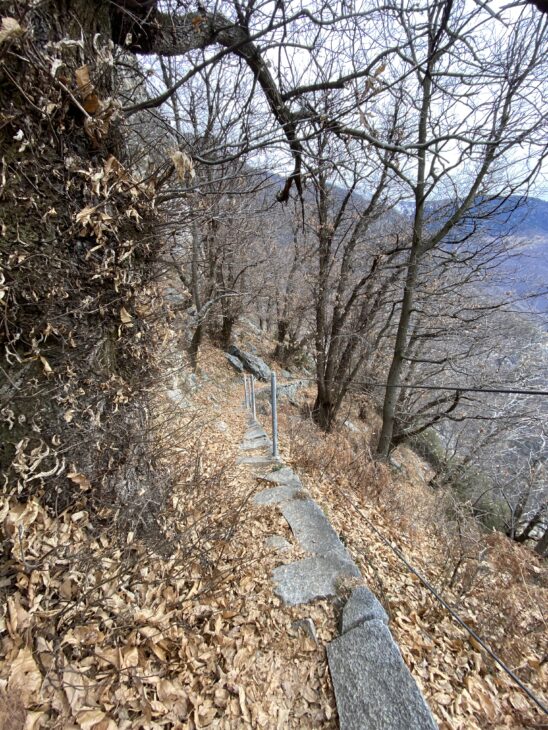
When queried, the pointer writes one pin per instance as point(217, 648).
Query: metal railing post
point(246, 397)
point(274, 402)
point(253, 408)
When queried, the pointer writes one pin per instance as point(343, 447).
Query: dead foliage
point(105, 631)
point(83, 329)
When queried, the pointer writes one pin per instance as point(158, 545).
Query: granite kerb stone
point(277, 495)
point(259, 461)
point(311, 579)
point(373, 687)
point(285, 476)
point(312, 529)
point(277, 542)
point(362, 606)
point(259, 442)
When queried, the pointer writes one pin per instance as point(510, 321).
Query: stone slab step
point(259, 460)
point(277, 542)
point(312, 529)
point(277, 495)
point(285, 476)
point(258, 443)
point(373, 687)
point(362, 606)
point(255, 430)
point(311, 579)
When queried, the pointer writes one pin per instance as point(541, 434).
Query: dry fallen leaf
point(125, 316)
point(80, 479)
point(47, 367)
point(24, 676)
point(95, 720)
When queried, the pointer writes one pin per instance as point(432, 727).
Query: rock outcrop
point(251, 363)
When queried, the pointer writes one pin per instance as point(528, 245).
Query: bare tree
point(467, 142)
point(353, 272)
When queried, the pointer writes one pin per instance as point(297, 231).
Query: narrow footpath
point(373, 687)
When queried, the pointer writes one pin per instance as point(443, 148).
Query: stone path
point(255, 439)
point(320, 575)
point(374, 690)
point(373, 687)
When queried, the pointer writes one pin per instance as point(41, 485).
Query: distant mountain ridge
point(526, 221)
point(515, 215)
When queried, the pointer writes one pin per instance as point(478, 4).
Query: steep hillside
point(143, 238)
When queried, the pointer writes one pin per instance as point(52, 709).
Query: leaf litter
point(103, 633)
point(502, 596)
point(102, 630)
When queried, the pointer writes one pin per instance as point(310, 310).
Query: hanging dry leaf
point(80, 479)
point(9, 29)
point(90, 99)
point(184, 166)
point(83, 80)
point(47, 367)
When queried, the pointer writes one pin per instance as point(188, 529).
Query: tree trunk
point(226, 331)
point(391, 397)
point(280, 352)
point(195, 345)
point(533, 522)
point(392, 390)
point(324, 411)
point(517, 514)
point(541, 548)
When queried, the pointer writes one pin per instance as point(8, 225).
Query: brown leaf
point(24, 676)
point(47, 366)
point(125, 316)
point(95, 720)
point(518, 701)
point(75, 686)
point(92, 104)
point(83, 80)
point(80, 479)
point(130, 657)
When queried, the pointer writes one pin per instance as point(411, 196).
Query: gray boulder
point(351, 426)
point(236, 363)
point(251, 363)
point(284, 390)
